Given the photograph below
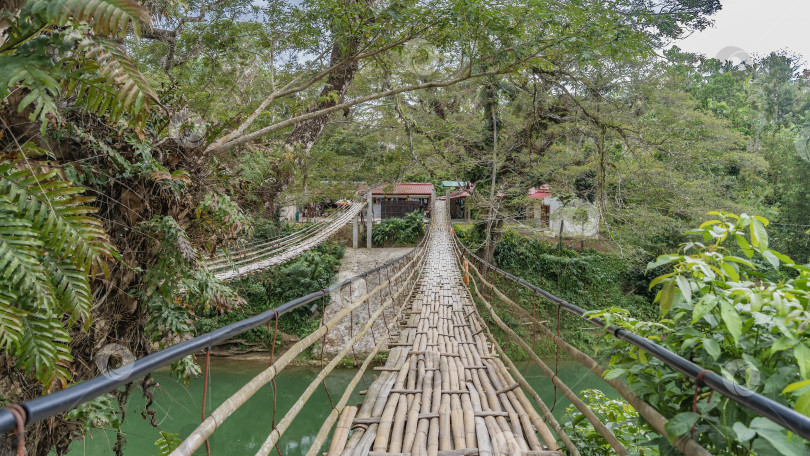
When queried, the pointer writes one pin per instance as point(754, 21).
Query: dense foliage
point(733, 305)
point(308, 273)
point(588, 279)
point(49, 247)
point(618, 416)
point(399, 231)
point(192, 123)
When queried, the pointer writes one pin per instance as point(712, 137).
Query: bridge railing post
point(369, 218)
point(355, 232)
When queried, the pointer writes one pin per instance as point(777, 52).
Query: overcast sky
point(755, 27)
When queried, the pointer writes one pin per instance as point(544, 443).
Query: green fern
point(167, 443)
point(109, 17)
point(94, 72)
point(110, 82)
point(49, 247)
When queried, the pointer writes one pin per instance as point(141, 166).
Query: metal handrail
point(62, 401)
point(764, 406)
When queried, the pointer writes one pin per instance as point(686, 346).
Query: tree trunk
point(489, 251)
point(304, 134)
point(601, 190)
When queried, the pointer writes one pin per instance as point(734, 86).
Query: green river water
point(178, 408)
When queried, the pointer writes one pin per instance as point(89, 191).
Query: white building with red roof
point(396, 200)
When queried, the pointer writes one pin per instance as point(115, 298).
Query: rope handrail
point(245, 243)
point(251, 251)
point(600, 427)
point(50, 405)
point(764, 406)
point(683, 442)
point(293, 251)
point(271, 247)
point(218, 416)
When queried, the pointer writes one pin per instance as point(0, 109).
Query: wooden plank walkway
point(443, 390)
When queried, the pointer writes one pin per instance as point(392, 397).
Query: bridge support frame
point(355, 232)
point(369, 219)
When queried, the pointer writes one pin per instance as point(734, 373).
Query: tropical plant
point(50, 247)
point(220, 220)
point(399, 231)
point(98, 413)
point(52, 49)
point(167, 443)
point(175, 287)
point(618, 416)
point(735, 306)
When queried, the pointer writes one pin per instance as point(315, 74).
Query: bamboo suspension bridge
point(251, 258)
point(447, 387)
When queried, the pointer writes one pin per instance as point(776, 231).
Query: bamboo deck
point(443, 390)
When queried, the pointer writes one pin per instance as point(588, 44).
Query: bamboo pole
point(576, 401)
point(218, 416)
point(285, 422)
point(683, 442)
point(342, 430)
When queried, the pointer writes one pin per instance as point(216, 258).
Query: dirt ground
point(356, 261)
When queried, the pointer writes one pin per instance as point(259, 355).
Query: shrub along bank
point(312, 271)
point(588, 279)
point(398, 232)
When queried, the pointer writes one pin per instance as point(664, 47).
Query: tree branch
point(289, 90)
point(339, 107)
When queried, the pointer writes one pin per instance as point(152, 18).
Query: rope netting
point(249, 258)
point(426, 345)
point(491, 281)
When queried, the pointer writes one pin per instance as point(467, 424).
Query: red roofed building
point(396, 200)
point(404, 189)
point(459, 208)
point(544, 191)
point(540, 209)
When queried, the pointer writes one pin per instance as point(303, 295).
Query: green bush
point(399, 231)
point(621, 418)
point(312, 271)
point(724, 312)
point(588, 279)
point(266, 228)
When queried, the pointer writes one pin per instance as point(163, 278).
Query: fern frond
point(33, 72)
point(112, 84)
point(11, 317)
point(20, 251)
point(49, 245)
point(73, 294)
point(58, 213)
point(107, 17)
point(44, 343)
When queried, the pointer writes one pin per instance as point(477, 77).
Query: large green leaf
point(732, 320)
point(802, 354)
point(759, 237)
point(680, 424)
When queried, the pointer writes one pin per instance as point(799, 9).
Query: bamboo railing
point(684, 442)
point(402, 280)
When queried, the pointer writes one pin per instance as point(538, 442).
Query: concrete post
point(355, 232)
point(369, 219)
